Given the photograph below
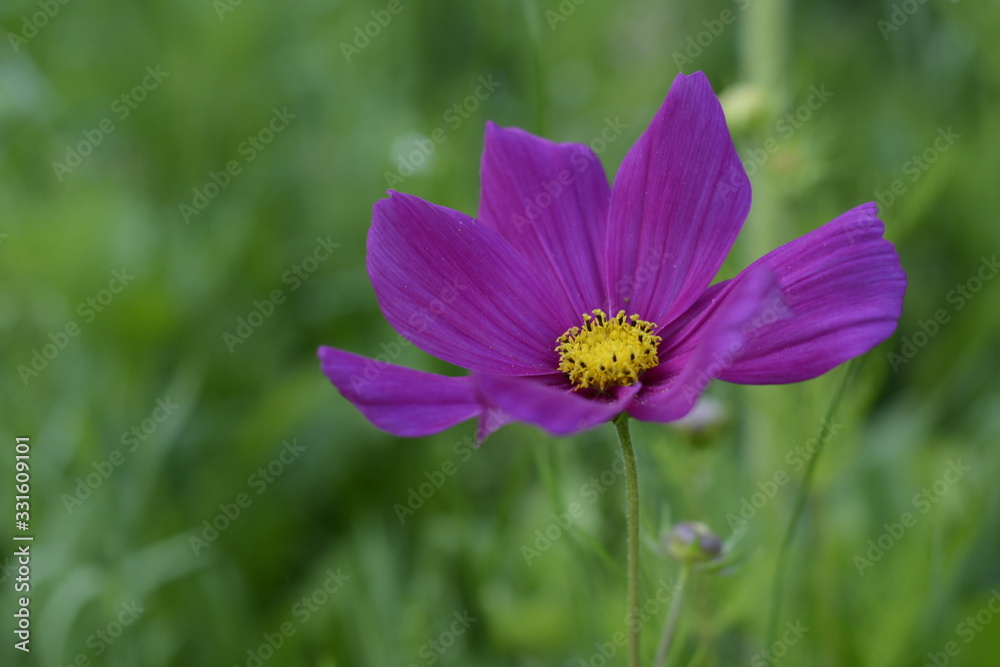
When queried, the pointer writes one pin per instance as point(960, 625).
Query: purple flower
point(571, 301)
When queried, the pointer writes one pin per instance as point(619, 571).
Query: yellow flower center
point(606, 353)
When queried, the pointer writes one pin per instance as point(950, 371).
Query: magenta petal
point(456, 289)
point(844, 285)
point(554, 407)
point(400, 400)
point(704, 347)
point(492, 419)
point(550, 201)
point(677, 204)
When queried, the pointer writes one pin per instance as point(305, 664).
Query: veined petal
point(550, 201)
point(458, 290)
point(399, 400)
point(701, 348)
point(549, 403)
point(677, 204)
point(844, 285)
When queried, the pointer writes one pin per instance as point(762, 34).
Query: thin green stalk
point(672, 617)
point(800, 503)
point(632, 522)
point(763, 48)
point(531, 14)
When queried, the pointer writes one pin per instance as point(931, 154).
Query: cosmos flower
point(570, 302)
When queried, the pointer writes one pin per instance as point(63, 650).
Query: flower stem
point(672, 616)
point(530, 8)
point(632, 521)
point(764, 48)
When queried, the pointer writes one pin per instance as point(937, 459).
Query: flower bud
point(746, 106)
point(707, 419)
point(693, 542)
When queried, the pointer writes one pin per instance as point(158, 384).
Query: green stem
point(531, 14)
point(800, 503)
point(672, 617)
point(764, 50)
point(632, 521)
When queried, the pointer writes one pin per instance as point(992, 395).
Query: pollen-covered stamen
point(604, 353)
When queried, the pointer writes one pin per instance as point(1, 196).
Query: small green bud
point(747, 106)
point(693, 542)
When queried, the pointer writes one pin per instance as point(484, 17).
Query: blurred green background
point(217, 155)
